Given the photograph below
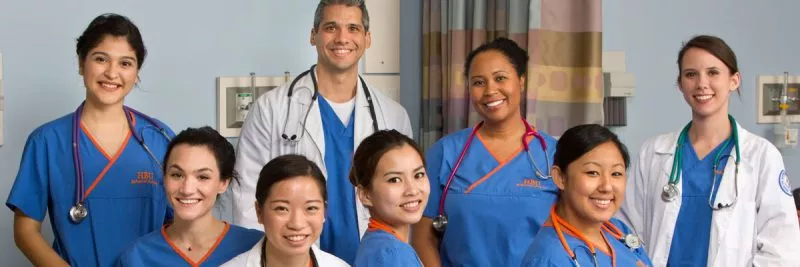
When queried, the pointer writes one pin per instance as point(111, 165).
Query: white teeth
point(188, 201)
point(341, 51)
point(410, 204)
point(109, 86)
point(603, 203)
point(703, 97)
point(296, 237)
point(495, 103)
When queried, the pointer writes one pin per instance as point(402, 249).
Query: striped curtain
point(563, 39)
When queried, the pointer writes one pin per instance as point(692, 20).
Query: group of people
point(331, 176)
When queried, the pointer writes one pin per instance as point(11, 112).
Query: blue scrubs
point(693, 229)
point(340, 235)
point(127, 202)
point(382, 249)
point(493, 224)
point(155, 249)
point(547, 250)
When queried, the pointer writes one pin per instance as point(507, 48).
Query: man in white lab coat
point(323, 114)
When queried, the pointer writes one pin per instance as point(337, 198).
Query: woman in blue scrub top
point(95, 172)
point(490, 185)
point(198, 169)
point(291, 203)
point(712, 194)
point(589, 169)
point(389, 175)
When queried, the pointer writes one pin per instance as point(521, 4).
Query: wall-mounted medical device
point(618, 86)
point(235, 96)
point(779, 103)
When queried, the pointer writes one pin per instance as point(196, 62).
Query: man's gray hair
point(358, 3)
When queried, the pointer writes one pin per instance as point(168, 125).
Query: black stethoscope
point(79, 211)
point(670, 190)
point(293, 138)
point(440, 222)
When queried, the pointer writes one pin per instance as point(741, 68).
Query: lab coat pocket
point(736, 245)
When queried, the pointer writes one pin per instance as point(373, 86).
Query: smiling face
point(109, 71)
point(593, 187)
point(495, 87)
point(292, 215)
point(341, 38)
point(193, 181)
point(399, 190)
point(706, 83)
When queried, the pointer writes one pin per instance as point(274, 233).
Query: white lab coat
point(760, 229)
point(260, 139)
point(252, 258)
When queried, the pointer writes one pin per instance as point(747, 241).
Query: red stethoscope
point(630, 240)
point(440, 222)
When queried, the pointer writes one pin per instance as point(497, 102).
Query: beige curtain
point(563, 39)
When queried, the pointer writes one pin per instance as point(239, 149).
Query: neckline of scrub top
point(186, 257)
point(375, 225)
point(500, 163)
point(608, 227)
point(111, 160)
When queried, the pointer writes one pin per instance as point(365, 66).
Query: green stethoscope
point(671, 188)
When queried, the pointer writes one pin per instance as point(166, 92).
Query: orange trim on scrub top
point(557, 222)
point(186, 257)
point(375, 225)
point(111, 160)
point(501, 163)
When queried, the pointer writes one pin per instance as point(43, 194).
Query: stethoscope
point(79, 211)
point(292, 138)
point(630, 240)
point(670, 190)
point(440, 222)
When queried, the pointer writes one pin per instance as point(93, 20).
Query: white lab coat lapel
point(721, 220)
point(363, 120)
point(313, 125)
point(362, 129)
point(667, 216)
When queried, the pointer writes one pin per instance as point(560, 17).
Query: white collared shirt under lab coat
point(260, 139)
point(760, 229)
point(252, 258)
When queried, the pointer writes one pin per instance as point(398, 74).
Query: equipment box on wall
point(235, 96)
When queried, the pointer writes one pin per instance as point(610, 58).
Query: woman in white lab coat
point(291, 201)
point(712, 194)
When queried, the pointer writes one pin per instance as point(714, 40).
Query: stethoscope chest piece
point(670, 192)
point(78, 212)
point(632, 241)
point(440, 223)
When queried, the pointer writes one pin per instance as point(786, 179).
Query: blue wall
point(188, 50)
point(652, 32)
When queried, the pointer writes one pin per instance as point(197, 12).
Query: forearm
point(426, 243)
point(29, 240)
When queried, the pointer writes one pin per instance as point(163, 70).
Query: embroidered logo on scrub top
point(144, 177)
point(530, 182)
point(783, 181)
